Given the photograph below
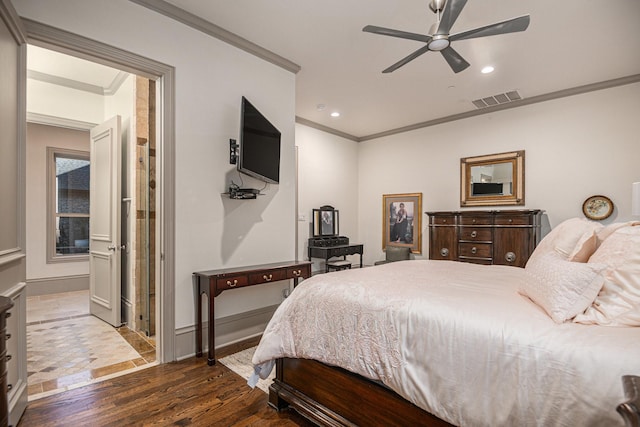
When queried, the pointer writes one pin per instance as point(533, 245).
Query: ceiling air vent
point(501, 98)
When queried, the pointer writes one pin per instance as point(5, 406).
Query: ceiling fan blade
point(456, 62)
point(509, 26)
point(396, 33)
point(406, 59)
point(452, 9)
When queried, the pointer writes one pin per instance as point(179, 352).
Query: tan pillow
point(562, 288)
point(618, 303)
point(564, 238)
point(586, 246)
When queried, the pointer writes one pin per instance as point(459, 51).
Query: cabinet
point(484, 237)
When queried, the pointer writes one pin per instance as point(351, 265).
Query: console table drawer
point(476, 250)
point(295, 272)
point(231, 282)
point(268, 276)
point(475, 234)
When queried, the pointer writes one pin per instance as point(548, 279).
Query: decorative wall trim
point(488, 110)
point(54, 285)
point(327, 129)
point(78, 85)
point(220, 33)
point(45, 119)
point(72, 44)
point(229, 330)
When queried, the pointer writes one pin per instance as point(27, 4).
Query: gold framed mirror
point(492, 180)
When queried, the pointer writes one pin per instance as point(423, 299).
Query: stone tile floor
point(67, 347)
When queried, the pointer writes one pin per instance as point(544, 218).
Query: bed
point(445, 343)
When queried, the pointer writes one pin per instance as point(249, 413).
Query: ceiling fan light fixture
point(438, 43)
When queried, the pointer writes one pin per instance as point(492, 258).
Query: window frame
point(52, 214)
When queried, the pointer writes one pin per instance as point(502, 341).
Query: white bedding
point(459, 341)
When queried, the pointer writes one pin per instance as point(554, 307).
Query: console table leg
point(196, 285)
point(211, 360)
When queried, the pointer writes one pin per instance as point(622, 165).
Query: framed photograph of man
point(401, 225)
point(325, 222)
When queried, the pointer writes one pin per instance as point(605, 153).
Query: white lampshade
point(635, 199)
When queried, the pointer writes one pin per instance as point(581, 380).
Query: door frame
point(72, 44)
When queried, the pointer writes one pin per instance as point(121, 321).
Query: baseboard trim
point(229, 330)
point(55, 285)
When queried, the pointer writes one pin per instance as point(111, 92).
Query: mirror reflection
point(492, 179)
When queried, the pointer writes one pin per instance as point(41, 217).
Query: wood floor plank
point(185, 393)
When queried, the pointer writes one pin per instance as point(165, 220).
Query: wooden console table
point(213, 282)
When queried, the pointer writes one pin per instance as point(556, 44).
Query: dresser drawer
point(476, 220)
point(231, 282)
point(513, 220)
point(476, 234)
point(443, 220)
point(268, 276)
point(475, 250)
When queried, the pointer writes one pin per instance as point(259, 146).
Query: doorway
point(64, 312)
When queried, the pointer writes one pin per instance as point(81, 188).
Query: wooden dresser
point(484, 237)
point(5, 305)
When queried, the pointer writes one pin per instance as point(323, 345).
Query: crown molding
point(195, 22)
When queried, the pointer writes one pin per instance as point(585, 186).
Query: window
point(68, 205)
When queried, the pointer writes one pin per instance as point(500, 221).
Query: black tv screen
point(259, 145)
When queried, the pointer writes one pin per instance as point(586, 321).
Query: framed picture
point(401, 225)
point(325, 222)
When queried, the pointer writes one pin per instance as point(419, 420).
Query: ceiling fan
point(439, 40)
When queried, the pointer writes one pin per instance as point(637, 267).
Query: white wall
point(575, 147)
point(328, 175)
point(39, 137)
point(60, 101)
point(212, 231)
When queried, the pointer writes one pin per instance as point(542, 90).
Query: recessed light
point(335, 114)
point(488, 69)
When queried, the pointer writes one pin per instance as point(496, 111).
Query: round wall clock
point(597, 207)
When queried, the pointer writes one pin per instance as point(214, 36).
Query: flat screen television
point(259, 145)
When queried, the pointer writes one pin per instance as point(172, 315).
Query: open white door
point(104, 221)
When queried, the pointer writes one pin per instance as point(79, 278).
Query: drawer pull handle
point(7, 315)
point(474, 233)
point(474, 250)
point(444, 221)
point(8, 357)
point(510, 256)
point(8, 336)
point(297, 272)
point(444, 252)
point(9, 387)
point(232, 284)
point(267, 278)
point(510, 220)
point(473, 220)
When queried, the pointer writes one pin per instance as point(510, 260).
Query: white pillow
point(565, 237)
point(562, 288)
point(618, 303)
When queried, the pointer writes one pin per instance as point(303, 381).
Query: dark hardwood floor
point(185, 393)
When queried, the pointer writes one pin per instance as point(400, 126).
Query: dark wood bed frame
point(332, 396)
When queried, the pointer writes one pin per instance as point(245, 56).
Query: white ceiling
point(569, 43)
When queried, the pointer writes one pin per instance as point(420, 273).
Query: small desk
point(213, 282)
point(327, 252)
